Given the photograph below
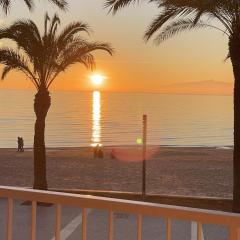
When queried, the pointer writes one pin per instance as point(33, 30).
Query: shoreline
point(130, 146)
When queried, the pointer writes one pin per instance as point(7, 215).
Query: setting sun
point(97, 79)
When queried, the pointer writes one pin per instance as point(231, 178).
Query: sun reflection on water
point(96, 119)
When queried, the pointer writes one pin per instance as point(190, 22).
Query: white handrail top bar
point(119, 205)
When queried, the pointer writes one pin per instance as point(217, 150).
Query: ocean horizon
point(80, 119)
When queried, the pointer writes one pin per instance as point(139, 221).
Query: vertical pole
point(34, 220)
point(144, 156)
point(168, 230)
point(10, 219)
point(199, 231)
point(110, 226)
point(84, 224)
point(234, 233)
point(139, 227)
point(58, 222)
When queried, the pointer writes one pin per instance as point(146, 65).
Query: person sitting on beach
point(100, 153)
point(95, 151)
point(112, 154)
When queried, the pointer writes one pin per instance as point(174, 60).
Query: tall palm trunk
point(42, 104)
point(234, 49)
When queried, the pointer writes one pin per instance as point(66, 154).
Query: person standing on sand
point(22, 144)
point(19, 144)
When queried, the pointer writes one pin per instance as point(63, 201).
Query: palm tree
point(177, 16)
point(42, 58)
point(5, 4)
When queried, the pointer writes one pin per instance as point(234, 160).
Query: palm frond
point(90, 47)
point(46, 20)
point(203, 5)
point(14, 61)
point(11, 58)
point(68, 34)
point(20, 32)
point(55, 22)
point(227, 57)
point(115, 5)
point(5, 71)
point(77, 49)
point(162, 19)
point(88, 61)
point(29, 4)
point(175, 28)
point(5, 4)
point(86, 50)
point(62, 4)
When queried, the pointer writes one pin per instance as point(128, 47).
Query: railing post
point(10, 219)
point(139, 227)
point(234, 233)
point(58, 222)
point(196, 231)
point(199, 231)
point(168, 232)
point(34, 215)
point(110, 228)
point(84, 224)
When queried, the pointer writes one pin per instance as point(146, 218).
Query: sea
point(80, 119)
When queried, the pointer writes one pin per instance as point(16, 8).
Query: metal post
point(144, 156)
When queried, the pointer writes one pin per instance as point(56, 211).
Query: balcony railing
point(140, 209)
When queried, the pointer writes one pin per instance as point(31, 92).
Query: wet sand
point(185, 171)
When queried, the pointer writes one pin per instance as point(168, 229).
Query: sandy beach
point(186, 171)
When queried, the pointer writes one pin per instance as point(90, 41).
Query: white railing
point(230, 220)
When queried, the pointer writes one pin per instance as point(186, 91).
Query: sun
point(97, 79)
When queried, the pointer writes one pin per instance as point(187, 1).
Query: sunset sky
point(190, 63)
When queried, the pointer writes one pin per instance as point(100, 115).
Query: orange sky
point(191, 63)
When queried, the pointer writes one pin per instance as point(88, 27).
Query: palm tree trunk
point(42, 104)
point(234, 49)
